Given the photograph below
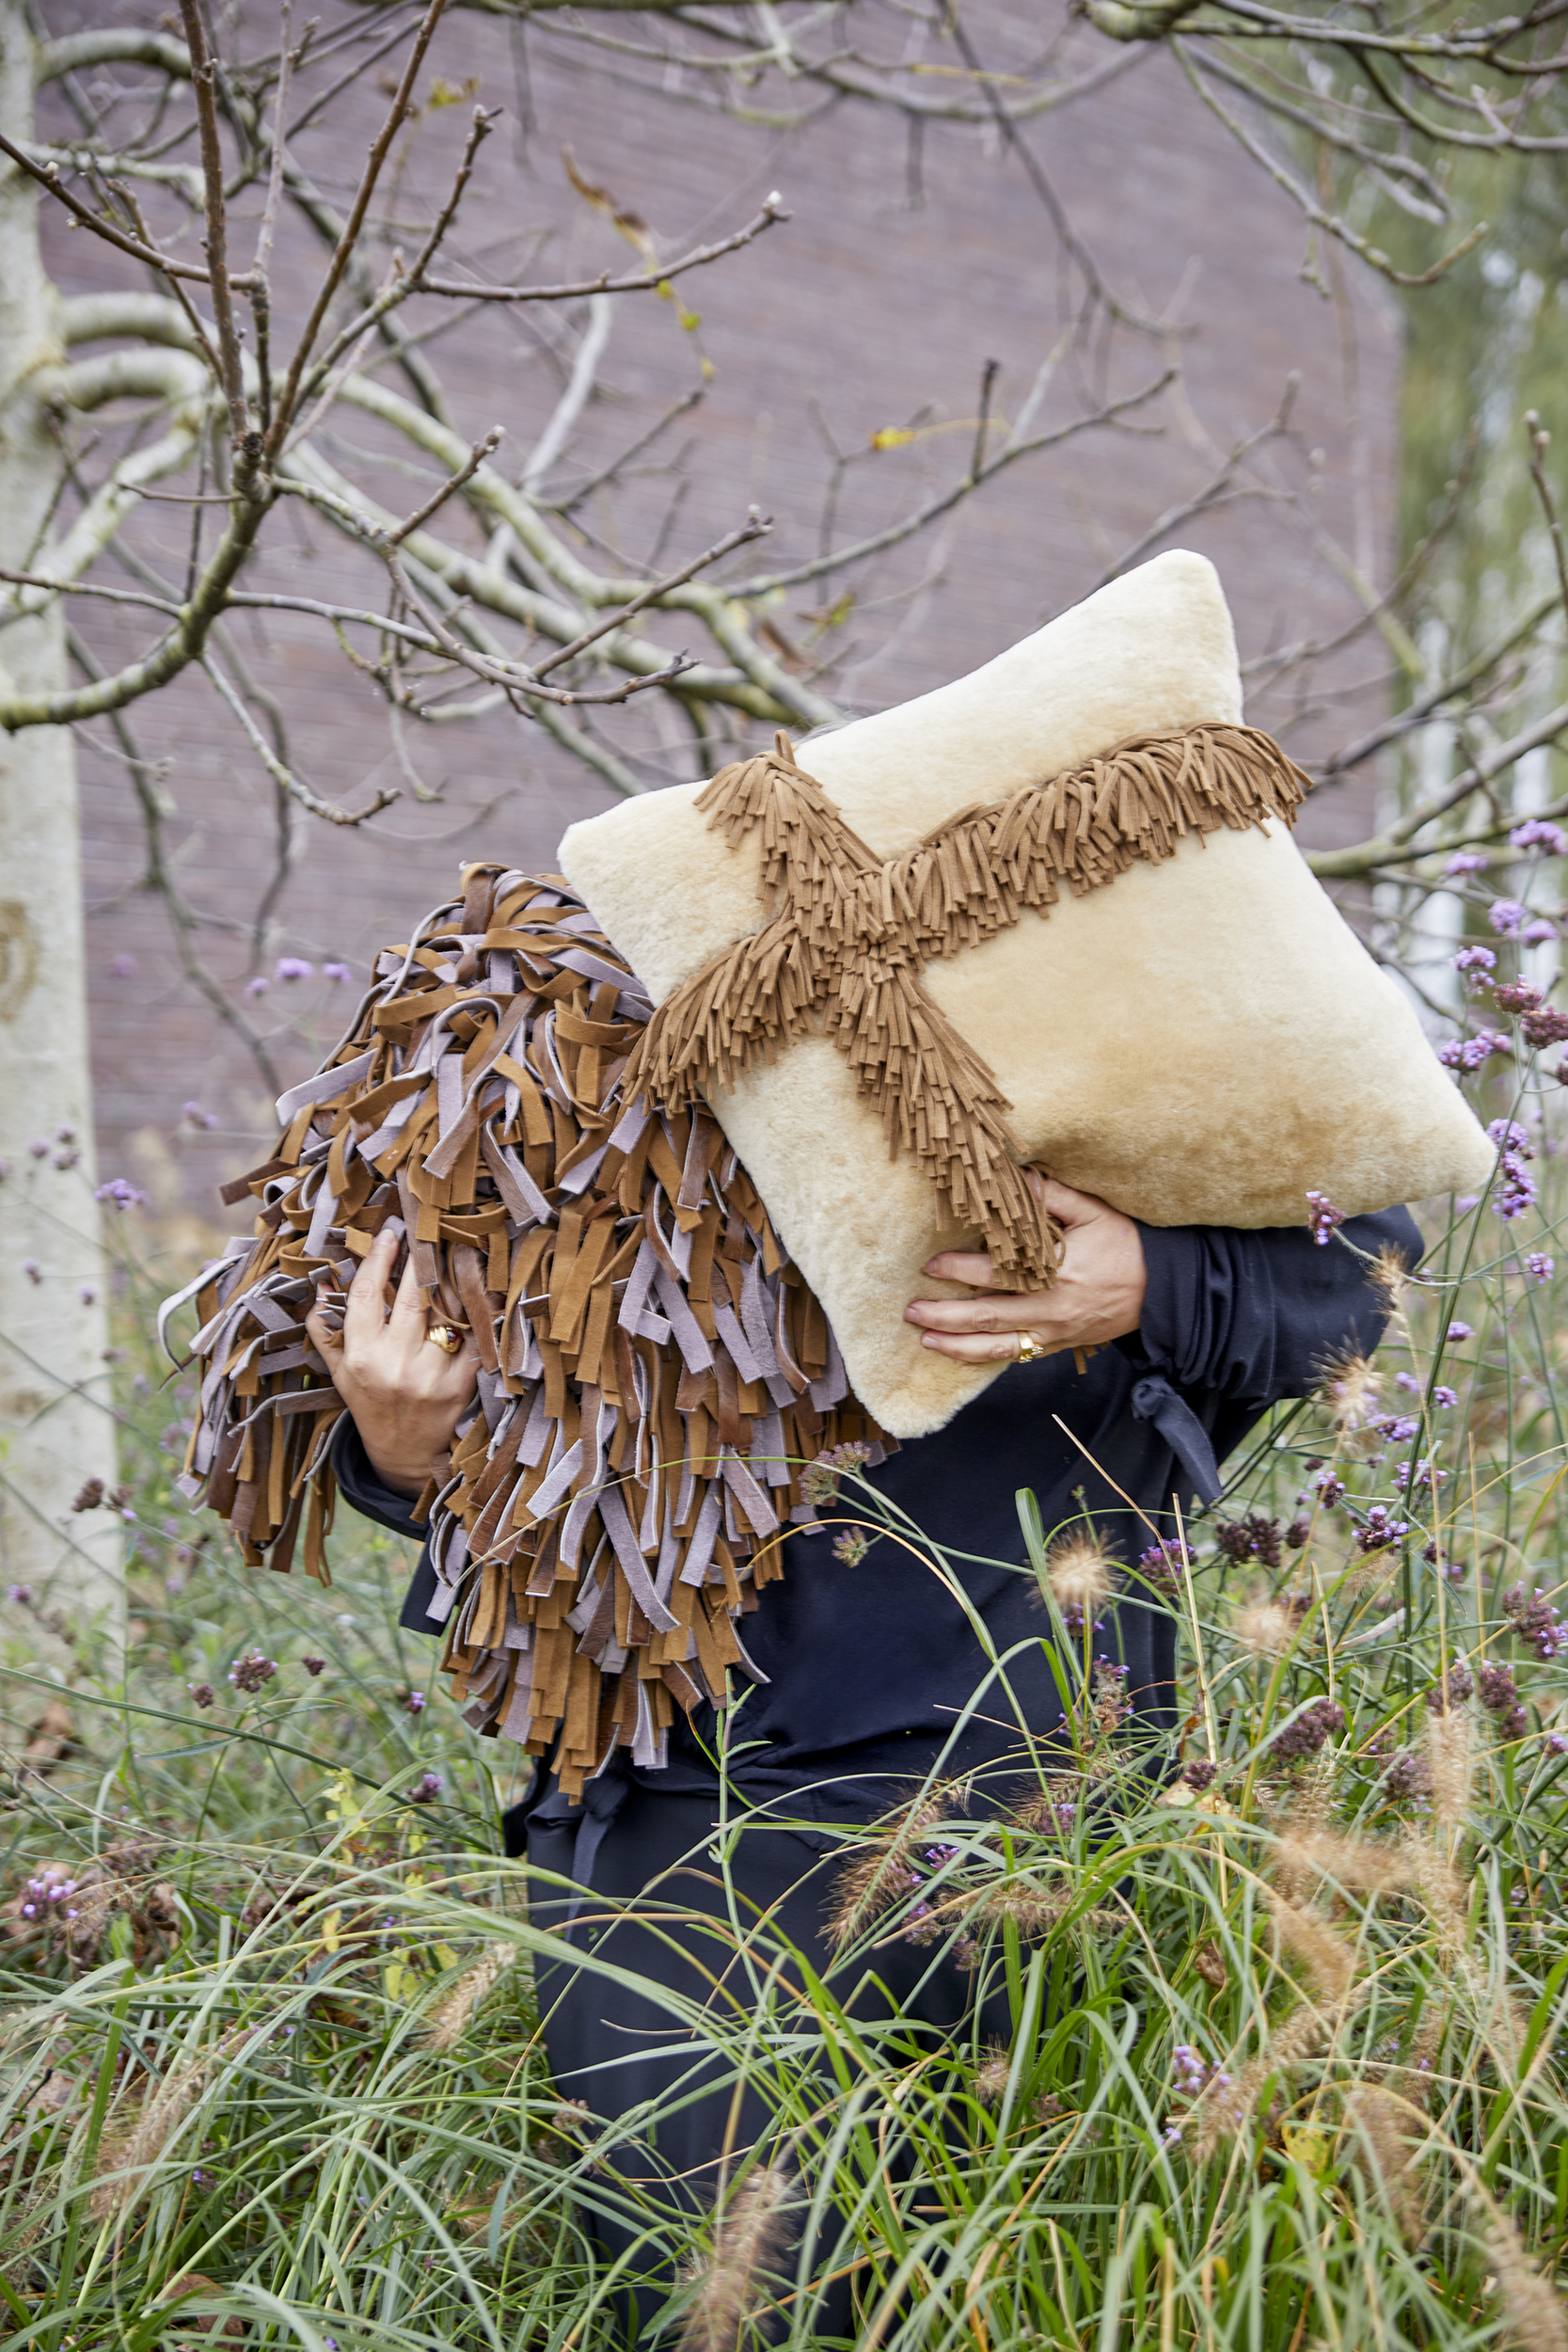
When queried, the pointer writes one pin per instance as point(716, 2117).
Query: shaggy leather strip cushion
point(656, 1375)
point(848, 954)
point(848, 932)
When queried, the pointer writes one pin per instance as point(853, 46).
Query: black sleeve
point(359, 1486)
point(1254, 1316)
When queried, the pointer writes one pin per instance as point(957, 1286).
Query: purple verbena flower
point(1467, 1053)
point(257, 986)
point(336, 972)
point(123, 1193)
point(1543, 1025)
point(1539, 832)
point(1312, 1728)
point(1462, 1331)
point(292, 968)
point(1476, 960)
point(1465, 861)
point(1506, 915)
point(249, 1671)
point(196, 1117)
point(1540, 1267)
point(1532, 1618)
point(1322, 1216)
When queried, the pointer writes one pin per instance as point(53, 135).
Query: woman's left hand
point(1099, 1291)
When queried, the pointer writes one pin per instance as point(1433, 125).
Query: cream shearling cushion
point(1196, 1041)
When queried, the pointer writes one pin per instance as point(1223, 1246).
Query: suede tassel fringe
point(847, 934)
point(655, 1375)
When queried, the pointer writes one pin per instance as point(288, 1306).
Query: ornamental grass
point(1285, 1991)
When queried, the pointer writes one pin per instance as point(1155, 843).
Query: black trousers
point(720, 1941)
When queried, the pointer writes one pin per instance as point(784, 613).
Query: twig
point(330, 811)
point(754, 528)
point(1034, 173)
point(1216, 492)
point(48, 176)
point(159, 878)
point(762, 585)
point(203, 74)
point(85, 588)
point(1331, 223)
point(380, 147)
point(421, 515)
point(520, 678)
point(988, 375)
point(642, 282)
point(1540, 442)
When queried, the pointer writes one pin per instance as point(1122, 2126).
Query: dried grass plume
point(1531, 2309)
point(449, 2020)
point(748, 2235)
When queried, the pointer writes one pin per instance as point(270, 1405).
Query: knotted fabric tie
point(1155, 1400)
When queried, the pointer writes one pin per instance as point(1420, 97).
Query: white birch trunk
point(56, 1430)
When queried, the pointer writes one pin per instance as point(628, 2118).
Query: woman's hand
point(406, 1394)
point(1099, 1292)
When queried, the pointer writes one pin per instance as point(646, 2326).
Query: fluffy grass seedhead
point(1351, 1392)
point(1450, 1761)
point(1081, 1574)
point(1267, 1625)
point(1530, 2308)
point(450, 2020)
point(1380, 2124)
point(748, 2236)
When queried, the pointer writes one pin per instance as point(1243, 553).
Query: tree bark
point(56, 1430)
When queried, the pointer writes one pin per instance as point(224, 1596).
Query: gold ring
point(441, 1335)
point(1028, 1347)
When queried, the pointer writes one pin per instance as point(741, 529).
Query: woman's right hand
point(406, 1394)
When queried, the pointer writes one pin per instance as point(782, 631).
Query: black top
point(872, 1670)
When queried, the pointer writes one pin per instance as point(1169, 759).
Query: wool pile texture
point(847, 933)
point(655, 1375)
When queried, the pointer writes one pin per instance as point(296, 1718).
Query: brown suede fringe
point(655, 1374)
point(848, 932)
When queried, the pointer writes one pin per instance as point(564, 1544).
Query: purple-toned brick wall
point(860, 312)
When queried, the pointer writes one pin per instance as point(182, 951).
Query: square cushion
point(1197, 1037)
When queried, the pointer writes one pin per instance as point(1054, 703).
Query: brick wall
point(862, 312)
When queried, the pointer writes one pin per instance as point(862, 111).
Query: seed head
point(1081, 1576)
point(1351, 1392)
point(449, 2021)
point(1267, 1627)
point(748, 2235)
